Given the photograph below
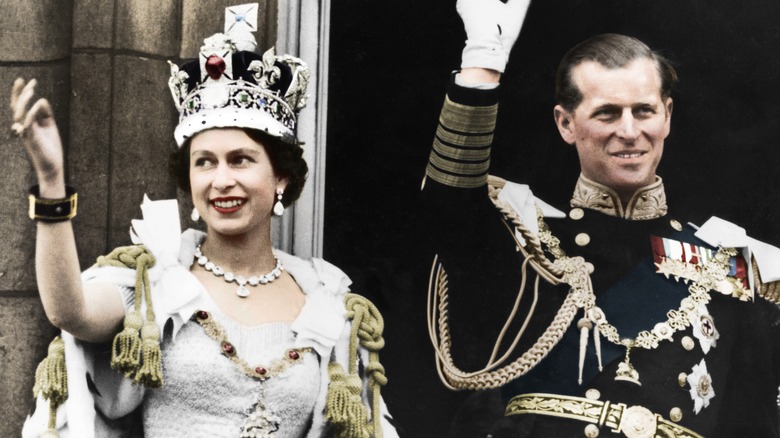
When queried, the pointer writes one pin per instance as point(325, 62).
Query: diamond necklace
point(229, 277)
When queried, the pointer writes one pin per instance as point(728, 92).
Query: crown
point(230, 85)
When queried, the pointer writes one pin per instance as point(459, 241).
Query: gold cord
point(571, 271)
point(51, 379)
point(452, 376)
point(345, 409)
point(136, 349)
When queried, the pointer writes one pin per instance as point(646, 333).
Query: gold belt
point(631, 421)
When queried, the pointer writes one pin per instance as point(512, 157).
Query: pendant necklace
point(261, 421)
point(229, 277)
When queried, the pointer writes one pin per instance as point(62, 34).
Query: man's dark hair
point(286, 156)
point(612, 51)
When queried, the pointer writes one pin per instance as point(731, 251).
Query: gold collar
point(648, 202)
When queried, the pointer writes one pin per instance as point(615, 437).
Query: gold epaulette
point(771, 290)
point(533, 243)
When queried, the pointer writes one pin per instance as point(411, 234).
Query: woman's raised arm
point(91, 312)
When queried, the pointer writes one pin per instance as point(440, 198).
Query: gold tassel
point(51, 379)
point(150, 373)
point(136, 349)
point(345, 409)
point(367, 328)
point(126, 348)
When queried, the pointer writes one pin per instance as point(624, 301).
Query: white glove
point(492, 27)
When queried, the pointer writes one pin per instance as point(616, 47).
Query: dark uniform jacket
point(735, 396)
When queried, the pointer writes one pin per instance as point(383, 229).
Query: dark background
point(389, 66)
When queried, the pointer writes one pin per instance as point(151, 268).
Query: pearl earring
point(279, 207)
point(195, 216)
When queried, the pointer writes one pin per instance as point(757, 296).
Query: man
point(612, 319)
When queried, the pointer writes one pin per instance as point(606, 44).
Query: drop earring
point(195, 216)
point(279, 207)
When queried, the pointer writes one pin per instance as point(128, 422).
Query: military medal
point(704, 269)
point(685, 262)
point(701, 390)
point(692, 311)
point(704, 328)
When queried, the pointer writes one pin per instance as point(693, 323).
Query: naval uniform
point(716, 375)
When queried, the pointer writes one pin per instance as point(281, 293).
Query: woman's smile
point(227, 205)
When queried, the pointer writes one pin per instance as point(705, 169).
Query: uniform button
point(589, 266)
point(675, 415)
point(682, 379)
point(591, 431)
point(675, 224)
point(687, 343)
point(576, 214)
point(582, 239)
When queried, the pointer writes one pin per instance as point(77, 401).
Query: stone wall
point(103, 66)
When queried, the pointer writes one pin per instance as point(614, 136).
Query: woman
point(214, 334)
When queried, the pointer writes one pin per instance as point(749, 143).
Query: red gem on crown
point(261, 371)
point(293, 355)
point(215, 66)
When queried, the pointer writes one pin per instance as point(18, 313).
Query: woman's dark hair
point(285, 154)
point(611, 51)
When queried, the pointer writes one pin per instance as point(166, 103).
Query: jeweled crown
point(231, 85)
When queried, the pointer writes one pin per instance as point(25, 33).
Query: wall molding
point(303, 31)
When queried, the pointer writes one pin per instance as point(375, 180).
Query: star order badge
point(701, 386)
point(704, 327)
